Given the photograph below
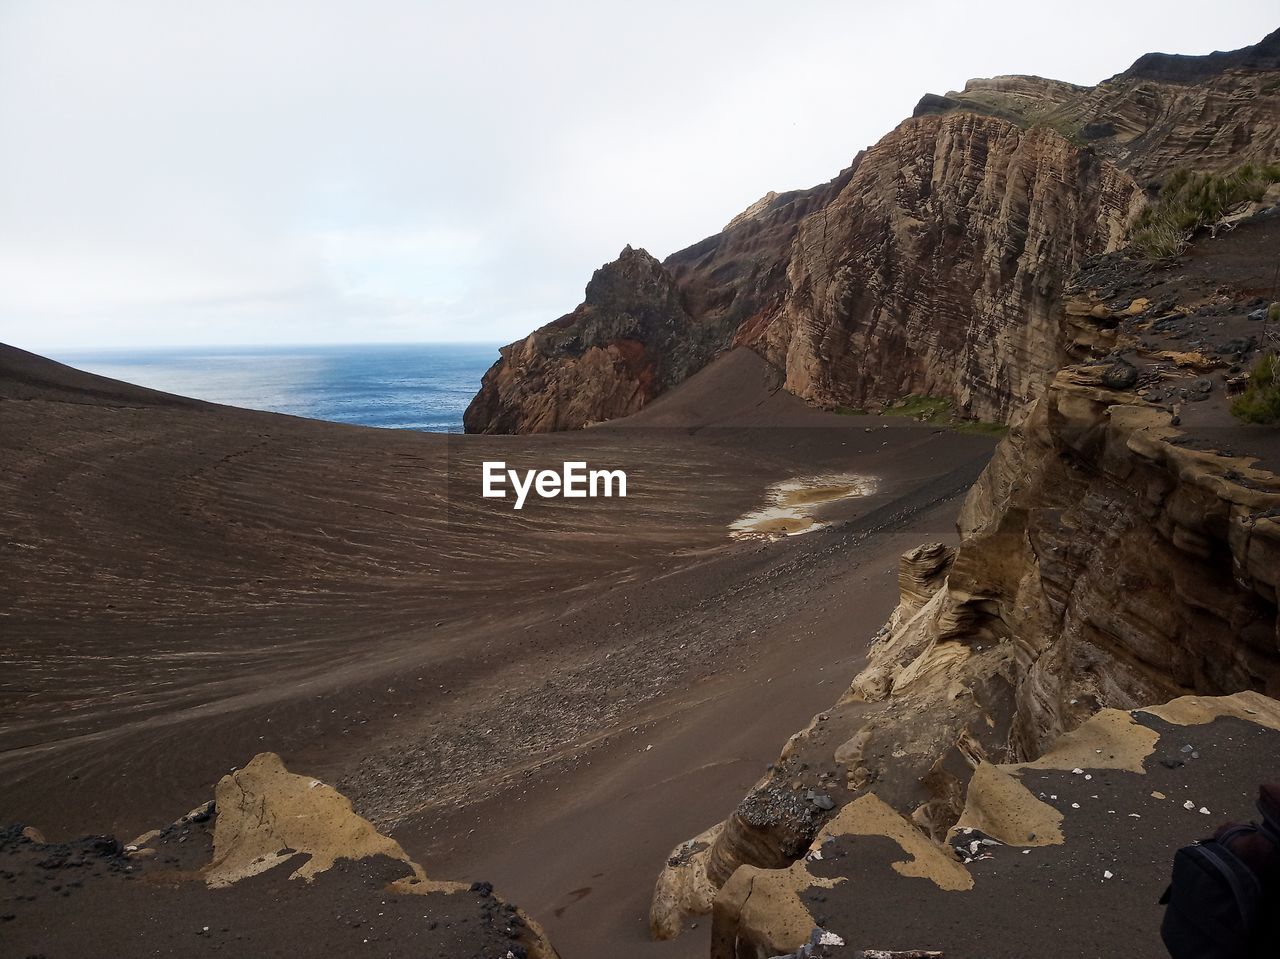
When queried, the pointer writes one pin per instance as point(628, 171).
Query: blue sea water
point(398, 386)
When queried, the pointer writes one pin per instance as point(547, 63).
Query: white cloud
point(394, 170)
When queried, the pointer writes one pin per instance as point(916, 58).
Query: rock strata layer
point(1167, 111)
point(1122, 548)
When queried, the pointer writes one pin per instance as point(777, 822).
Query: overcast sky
point(384, 170)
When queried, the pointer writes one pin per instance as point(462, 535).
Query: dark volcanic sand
point(184, 585)
point(1201, 302)
point(86, 900)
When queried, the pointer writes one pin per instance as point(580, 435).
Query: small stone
point(1120, 375)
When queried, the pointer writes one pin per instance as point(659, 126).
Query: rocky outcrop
point(628, 340)
point(1180, 68)
point(931, 265)
point(921, 573)
point(633, 337)
point(266, 816)
point(1078, 838)
point(276, 857)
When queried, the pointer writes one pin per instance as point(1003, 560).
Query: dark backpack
point(1223, 894)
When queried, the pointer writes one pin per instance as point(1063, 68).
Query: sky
point(181, 173)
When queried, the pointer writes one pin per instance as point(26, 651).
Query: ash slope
point(185, 585)
point(931, 265)
point(172, 565)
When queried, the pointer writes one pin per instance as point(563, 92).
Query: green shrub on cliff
point(927, 409)
point(1260, 402)
point(941, 412)
point(1189, 201)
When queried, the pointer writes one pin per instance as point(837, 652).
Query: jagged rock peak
point(635, 273)
point(626, 342)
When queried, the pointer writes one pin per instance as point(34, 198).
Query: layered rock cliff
point(936, 269)
point(1122, 548)
point(1167, 111)
point(929, 266)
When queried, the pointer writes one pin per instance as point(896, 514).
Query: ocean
point(415, 386)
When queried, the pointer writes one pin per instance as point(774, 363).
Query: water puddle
point(792, 505)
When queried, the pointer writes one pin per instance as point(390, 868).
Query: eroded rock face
point(922, 571)
point(937, 269)
point(1113, 553)
point(643, 327)
point(629, 340)
point(1167, 111)
point(1102, 565)
point(930, 266)
point(267, 815)
point(1094, 821)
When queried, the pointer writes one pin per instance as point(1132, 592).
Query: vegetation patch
point(1191, 201)
point(939, 411)
point(1065, 128)
point(1260, 402)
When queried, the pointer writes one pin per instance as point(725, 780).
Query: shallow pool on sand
point(792, 505)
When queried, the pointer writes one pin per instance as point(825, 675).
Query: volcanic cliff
point(1122, 549)
point(930, 266)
